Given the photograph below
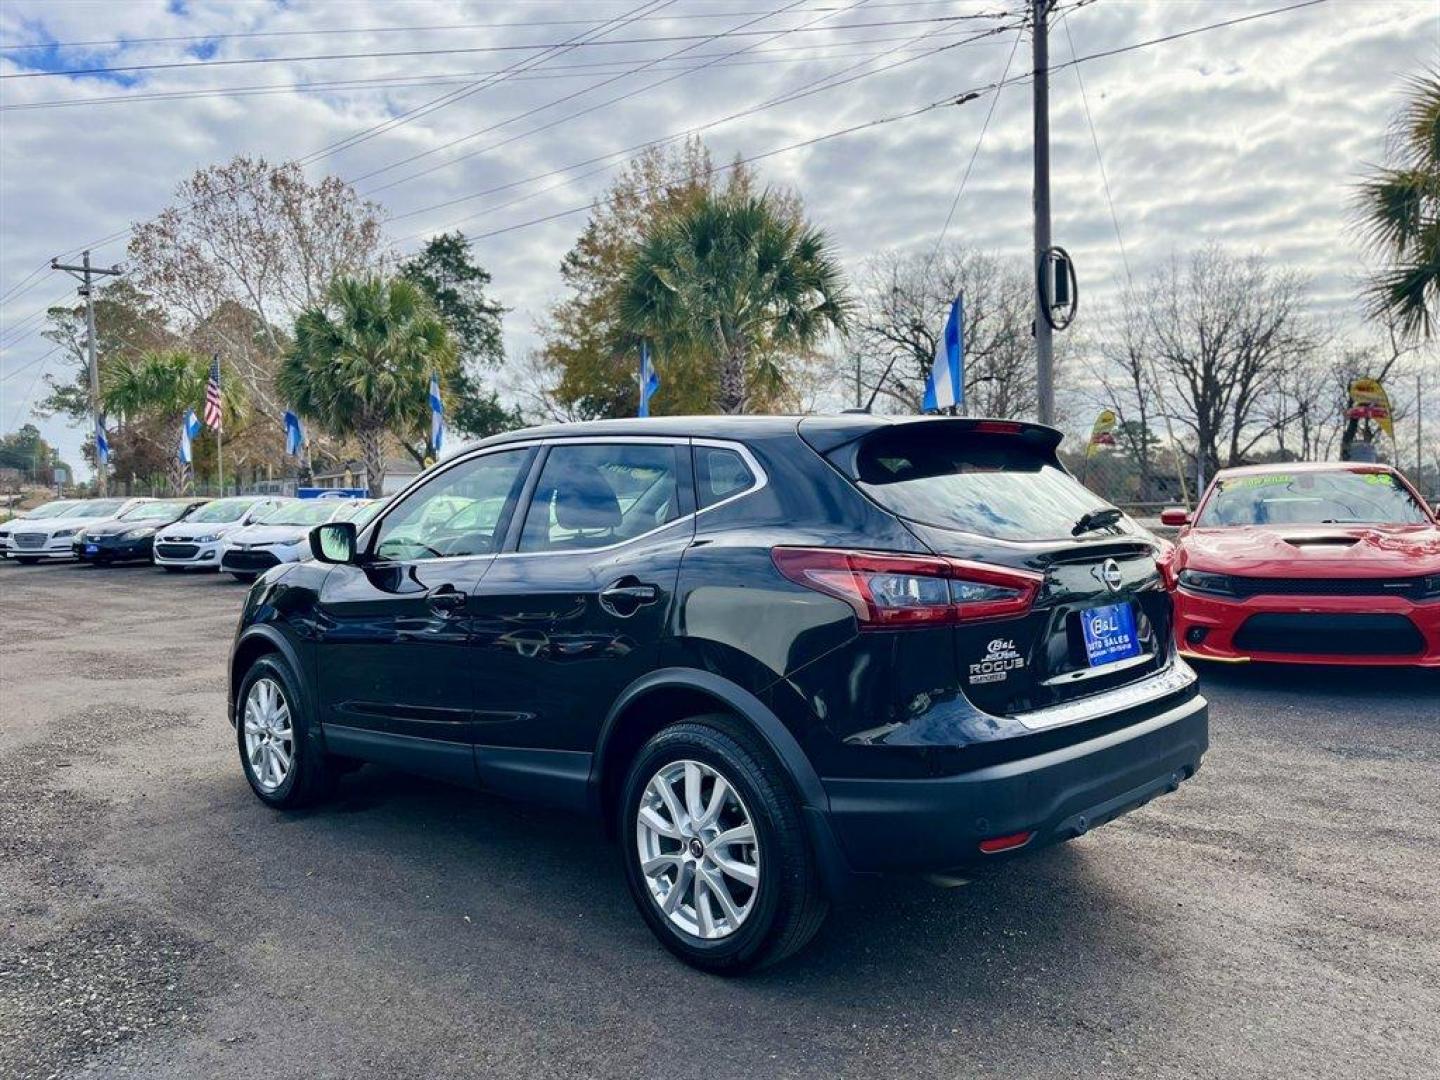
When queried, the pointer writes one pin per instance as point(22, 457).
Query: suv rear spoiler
point(828, 433)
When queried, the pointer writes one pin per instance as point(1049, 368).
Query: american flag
point(212, 395)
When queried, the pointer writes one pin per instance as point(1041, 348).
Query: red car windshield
point(1341, 497)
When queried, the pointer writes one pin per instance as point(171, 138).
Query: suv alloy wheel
point(714, 848)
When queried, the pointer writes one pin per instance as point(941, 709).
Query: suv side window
point(719, 474)
point(595, 494)
point(457, 513)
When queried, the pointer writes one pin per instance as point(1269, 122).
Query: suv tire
point(271, 730)
point(784, 908)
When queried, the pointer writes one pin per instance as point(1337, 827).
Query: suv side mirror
point(333, 542)
point(1175, 515)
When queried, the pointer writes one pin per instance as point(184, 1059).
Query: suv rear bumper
point(938, 824)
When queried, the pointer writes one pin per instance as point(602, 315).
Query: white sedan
point(52, 535)
point(282, 535)
point(198, 541)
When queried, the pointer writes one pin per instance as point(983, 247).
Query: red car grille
point(1411, 588)
point(1334, 635)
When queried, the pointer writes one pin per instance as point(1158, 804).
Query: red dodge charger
point(1308, 563)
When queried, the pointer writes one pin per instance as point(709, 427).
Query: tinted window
point(991, 485)
point(50, 509)
point(719, 474)
point(351, 509)
point(459, 512)
point(302, 512)
point(155, 511)
point(1311, 498)
point(592, 495)
point(222, 510)
point(96, 508)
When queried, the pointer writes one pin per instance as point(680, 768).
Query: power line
point(633, 15)
point(1150, 367)
point(661, 39)
point(23, 285)
point(324, 31)
point(828, 82)
point(29, 364)
point(552, 72)
point(613, 158)
point(852, 129)
point(30, 391)
point(412, 114)
point(583, 112)
point(639, 11)
point(1012, 81)
point(1100, 160)
point(975, 152)
point(961, 98)
point(16, 332)
point(949, 215)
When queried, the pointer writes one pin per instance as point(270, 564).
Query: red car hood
point(1345, 551)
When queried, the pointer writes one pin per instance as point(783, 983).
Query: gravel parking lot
point(1280, 916)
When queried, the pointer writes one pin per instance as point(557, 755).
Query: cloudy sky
point(1250, 134)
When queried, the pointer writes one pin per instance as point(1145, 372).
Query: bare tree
point(1302, 410)
point(1127, 386)
point(1392, 352)
point(904, 300)
point(1225, 329)
point(246, 246)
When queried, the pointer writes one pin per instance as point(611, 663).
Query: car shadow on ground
point(1333, 681)
point(981, 940)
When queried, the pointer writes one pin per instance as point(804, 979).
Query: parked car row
point(241, 535)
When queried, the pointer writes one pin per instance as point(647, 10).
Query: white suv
point(199, 540)
point(33, 539)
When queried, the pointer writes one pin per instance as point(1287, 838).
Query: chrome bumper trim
point(1173, 679)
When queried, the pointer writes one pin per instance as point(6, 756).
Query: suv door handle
point(625, 597)
point(446, 600)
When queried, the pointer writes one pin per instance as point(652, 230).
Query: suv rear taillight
point(896, 591)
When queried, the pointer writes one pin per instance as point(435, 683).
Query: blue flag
point(945, 385)
point(102, 444)
point(189, 428)
point(437, 415)
point(649, 379)
point(294, 434)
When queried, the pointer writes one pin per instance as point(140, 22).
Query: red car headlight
point(1203, 581)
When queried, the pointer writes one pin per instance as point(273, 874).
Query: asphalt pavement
point(1278, 917)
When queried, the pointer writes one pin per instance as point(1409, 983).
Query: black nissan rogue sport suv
point(771, 653)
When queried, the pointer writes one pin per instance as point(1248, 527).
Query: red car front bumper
point(1363, 630)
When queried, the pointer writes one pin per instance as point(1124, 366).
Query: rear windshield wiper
point(1096, 519)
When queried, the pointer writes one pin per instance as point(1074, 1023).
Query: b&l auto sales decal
point(999, 660)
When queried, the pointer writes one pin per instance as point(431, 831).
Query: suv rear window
point(991, 485)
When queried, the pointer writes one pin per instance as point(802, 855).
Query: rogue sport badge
point(1108, 574)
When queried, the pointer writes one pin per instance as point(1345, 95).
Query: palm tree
point(734, 277)
point(360, 366)
point(1399, 211)
point(163, 386)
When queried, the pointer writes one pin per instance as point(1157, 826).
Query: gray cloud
point(1251, 135)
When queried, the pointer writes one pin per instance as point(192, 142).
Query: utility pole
point(86, 274)
point(1044, 345)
